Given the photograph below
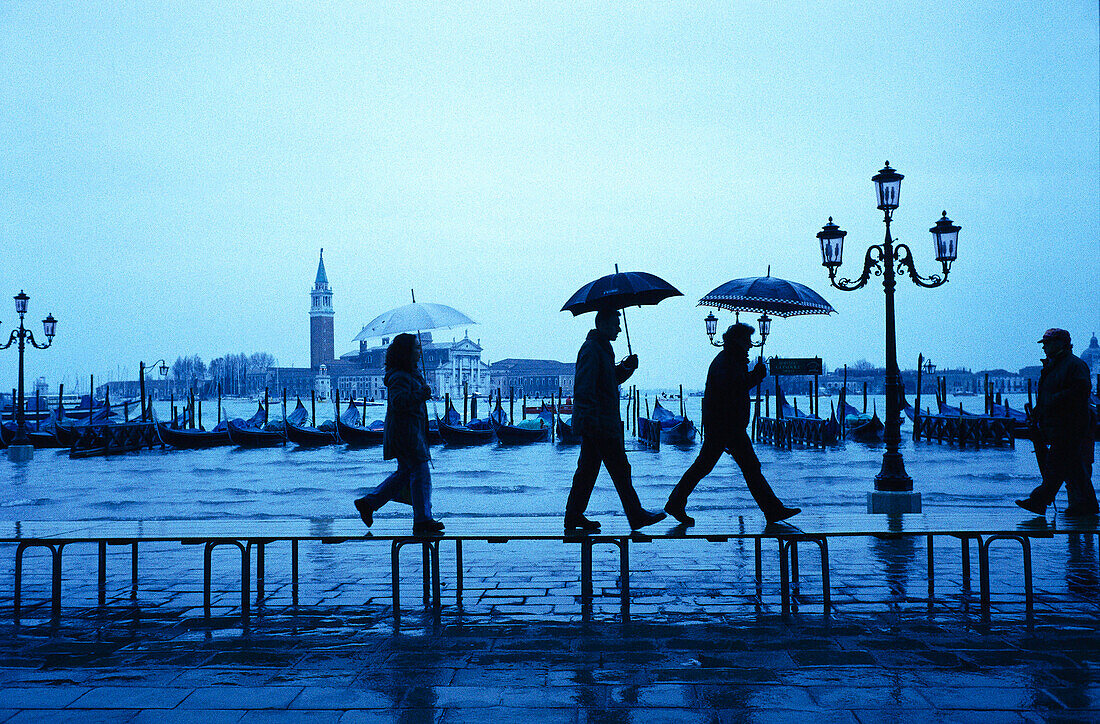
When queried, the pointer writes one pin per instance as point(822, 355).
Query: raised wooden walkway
point(249, 536)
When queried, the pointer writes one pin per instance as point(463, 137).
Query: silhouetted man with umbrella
point(725, 417)
point(596, 419)
point(1065, 424)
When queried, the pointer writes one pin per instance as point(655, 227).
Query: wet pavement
point(702, 646)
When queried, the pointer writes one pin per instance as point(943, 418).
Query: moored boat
point(475, 432)
point(304, 435)
point(351, 431)
point(253, 433)
point(675, 429)
point(535, 429)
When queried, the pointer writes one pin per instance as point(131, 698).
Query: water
point(291, 482)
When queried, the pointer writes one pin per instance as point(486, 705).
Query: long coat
point(406, 433)
point(726, 398)
point(596, 388)
point(1062, 407)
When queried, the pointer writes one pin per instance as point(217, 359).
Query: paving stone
point(305, 716)
point(71, 716)
point(132, 697)
point(328, 697)
point(182, 716)
point(241, 697)
point(44, 696)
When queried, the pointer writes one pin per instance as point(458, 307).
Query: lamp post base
point(20, 453)
point(889, 501)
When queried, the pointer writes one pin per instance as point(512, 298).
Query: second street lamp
point(163, 369)
point(21, 448)
point(893, 491)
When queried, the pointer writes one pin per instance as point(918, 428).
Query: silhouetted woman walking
point(405, 438)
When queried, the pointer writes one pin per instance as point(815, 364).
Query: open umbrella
point(619, 291)
point(766, 295)
point(415, 317)
point(770, 295)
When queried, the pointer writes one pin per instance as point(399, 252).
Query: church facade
point(452, 368)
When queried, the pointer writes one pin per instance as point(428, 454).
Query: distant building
point(1000, 381)
point(322, 344)
point(360, 374)
point(451, 368)
point(532, 377)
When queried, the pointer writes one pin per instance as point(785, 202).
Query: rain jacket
point(1062, 407)
point(726, 398)
point(406, 433)
point(596, 389)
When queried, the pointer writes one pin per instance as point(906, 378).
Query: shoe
point(1074, 511)
point(365, 511)
point(677, 512)
point(782, 514)
point(582, 524)
point(648, 518)
point(1032, 506)
point(428, 527)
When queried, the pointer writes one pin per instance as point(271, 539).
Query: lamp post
point(21, 448)
point(163, 369)
point(764, 321)
point(893, 487)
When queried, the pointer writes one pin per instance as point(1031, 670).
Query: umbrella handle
point(626, 328)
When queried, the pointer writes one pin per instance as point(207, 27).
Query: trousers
point(609, 451)
point(1070, 462)
point(412, 474)
point(739, 446)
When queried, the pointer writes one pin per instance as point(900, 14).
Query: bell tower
point(322, 343)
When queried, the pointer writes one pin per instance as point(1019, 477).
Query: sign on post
point(794, 366)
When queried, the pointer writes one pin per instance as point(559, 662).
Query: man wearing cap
point(725, 417)
point(1065, 425)
point(596, 419)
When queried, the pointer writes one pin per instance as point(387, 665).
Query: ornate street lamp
point(893, 487)
point(21, 448)
point(764, 321)
point(163, 369)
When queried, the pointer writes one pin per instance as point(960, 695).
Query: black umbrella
point(619, 291)
point(768, 295)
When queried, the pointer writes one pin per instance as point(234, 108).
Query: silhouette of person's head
point(738, 336)
point(1055, 340)
point(402, 353)
point(607, 323)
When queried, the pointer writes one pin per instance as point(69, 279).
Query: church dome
point(1091, 356)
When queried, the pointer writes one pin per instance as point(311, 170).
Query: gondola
point(675, 429)
point(251, 434)
point(304, 435)
point(68, 431)
point(830, 434)
point(563, 431)
point(355, 434)
point(864, 430)
point(185, 439)
point(536, 429)
point(475, 432)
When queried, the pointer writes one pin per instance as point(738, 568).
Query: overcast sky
point(170, 170)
